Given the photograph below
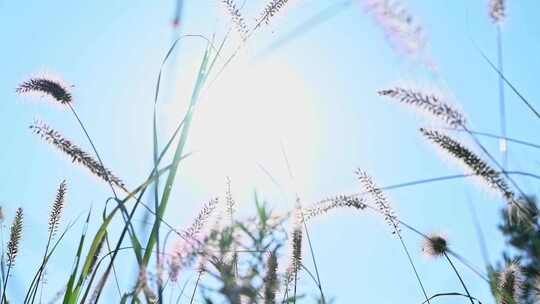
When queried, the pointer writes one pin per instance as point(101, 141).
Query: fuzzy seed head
point(435, 246)
point(295, 243)
point(497, 10)
point(191, 241)
point(236, 17)
point(271, 9)
point(473, 163)
point(76, 154)
point(270, 279)
point(340, 201)
point(430, 103)
point(398, 24)
point(380, 200)
point(14, 238)
point(57, 208)
point(46, 86)
point(510, 283)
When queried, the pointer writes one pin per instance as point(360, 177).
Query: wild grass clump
point(223, 257)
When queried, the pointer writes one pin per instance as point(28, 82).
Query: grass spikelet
point(236, 18)
point(497, 10)
point(57, 208)
point(380, 200)
point(270, 279)
point(201, 219)
point(398, 24)
point(429, 103)
point(473, 163)
point(295, 244)
point(340, 201)
point(435, 246)
point(230, 202)
point(191, 240)
point(14, 238)
point(76, 154)
point(510, 283)
point(46, 85)
point(271, 10)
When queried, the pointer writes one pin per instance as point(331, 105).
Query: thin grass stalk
point(102, 230)
point(491, 135)
point(390, 217)
point(178, 153)
point(459, 277)
point(108, 179)
point(54, 219)
point(502, 106)
point(506, 81)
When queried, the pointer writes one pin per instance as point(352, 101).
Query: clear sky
point(312, 96)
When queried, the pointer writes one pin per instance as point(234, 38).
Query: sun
point(257, 126)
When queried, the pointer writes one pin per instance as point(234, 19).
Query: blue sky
point(315, 95)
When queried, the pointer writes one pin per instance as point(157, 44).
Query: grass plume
point(191, 240)
point(271, 9)
point(57, 208)
point(380, 200)
point(340, 201)
point(497, 10)
point(46, 86)
point(295, 237)
point(435, 245)
point(399, 25)
point(76, 154)
point(510, 283)
point(236, 18)
point(472, 162)
point(14, 238)
point(430, 103)
point(270, 279)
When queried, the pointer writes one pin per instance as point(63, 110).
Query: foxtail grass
point(490, 177)
point(435, 245)
point(399, 25)
point(236, 18)
point(337, 202)
point(46, 85)
point(272, 8)
point(270, 279)
point(510, 283)
point(76, 154)
point(191, 240)
point(497, 10)
point(432, 104)
point(15, 236)
point(382, 203)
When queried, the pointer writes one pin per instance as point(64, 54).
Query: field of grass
point(232, 99)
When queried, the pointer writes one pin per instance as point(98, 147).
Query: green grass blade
point(69, 296)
